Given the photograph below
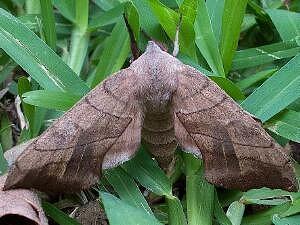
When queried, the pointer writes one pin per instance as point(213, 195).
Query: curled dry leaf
point(161, 102)
point(20, 207)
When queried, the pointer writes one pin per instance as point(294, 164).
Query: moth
point(163, 103)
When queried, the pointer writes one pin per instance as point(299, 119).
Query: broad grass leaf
point(147, 172)
point(266, 196)
point(286, 124)
point(176, 215)
point(169, 20)
point(265, 54)
point(264, 217)
point(3, 162)
point(57, 215)
point(127, 189)
point(199, 193)
point(106, 18)
point(235, 212)
point(286, 22)
point(254, 78)
point(121, 213)
point(48, 22)
point(229, 87)
point(114, 54)
point(148, 22)
point(6, 137)
point(206, 41)
point(215, 10)
point(291, 220)
point(50, 99)
point(232, 19)
point(36, 58)
point(66, 8)
point(276, 93)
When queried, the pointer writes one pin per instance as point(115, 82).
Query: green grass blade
point(206, 41)
point(66, 8)
point(48, 23)
point(50, 99)
point(3, 162)
point(199, 193)
point(286, 124)
point(276, 93)
point(169, 20)
point(219, 213)
point(253, 79)
point(264, 217)
point(232, 19)
point(148, 21)
point(265, 54)
point(235, 212)
point(287, 23)
point(57, 215)
point(80, 36)
point(229, 87)
point(106, 18)
point(113, 55)
point(121, 213)
point(6, 69)
point(266, 196)
point(78, 49)
point(147, 172)
point(291, 220)
point(127, 189)
point(175, 212)
point(82, 14)
point(215, 10)
point(36, 58)
point(6, 138)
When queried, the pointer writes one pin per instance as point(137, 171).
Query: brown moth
point(162, 102)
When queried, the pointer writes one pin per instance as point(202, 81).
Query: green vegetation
point(65, 48)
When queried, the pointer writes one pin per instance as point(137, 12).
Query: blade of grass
point(232, 19)
point(48, 23)
point(113, 55)
point(106, 18)
point(289, 27)
point(169, 20)
point(6, 137)
point(253, 79)
point(291, 220)
point(286, 124)
point(215, 10)
point(276, 93)
point(265, 54)
point(147, 172)
point(57, 215)
point(175, 212)
point(235, 212)
point(66, 8)
point(36, 58)
point(127, 189)
point(121, 213)
point(51, 99)
point(3, 162)
point(206, 41)
point(199, 193)
point(80, 37)
point(264, 217)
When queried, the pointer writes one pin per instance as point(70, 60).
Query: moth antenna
point(176, 41)
point(133, 44)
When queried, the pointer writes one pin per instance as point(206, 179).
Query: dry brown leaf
point(20, 207)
